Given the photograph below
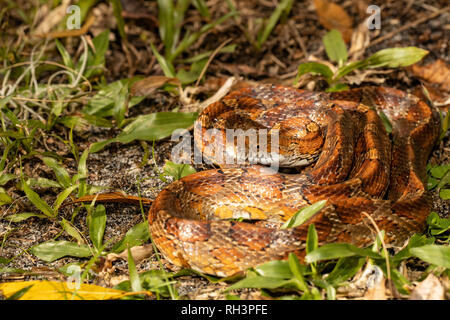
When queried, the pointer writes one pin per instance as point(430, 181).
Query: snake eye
point(299, 138)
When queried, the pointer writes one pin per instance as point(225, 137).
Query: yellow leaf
point(54, 290)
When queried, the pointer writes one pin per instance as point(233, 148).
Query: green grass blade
point(314, 68)
point(134, 237)
point(67, 60)
point(73, 232)
point(165, 64)
point(61, 174)
point(304, 215)
point(312, 239)
point(37, 201)
point(166, 25)
point(82, 173)
point(97, 225)
point(339, 250)
point(63, 196)
point(177, 171)
point(134, 276)
point(283, 7)
point(201, 6)
point(23, 216)
point(296, 270)
point(117, 10)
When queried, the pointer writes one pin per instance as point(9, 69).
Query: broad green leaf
point(4, 197)
point(134, 276)
point(437, 225)
point(344, 269)
point(435, 254)
point(37, 201)
point(134, 237)
point(72, 231)
point(153, 280)
point(52, 250)
point(331, 293)
point(444, 194)
point(82, 173)
point(156, 126)
point(187, 77)
point(351, 67)
point(440, 171)
point(396, 57)
point(43, 183)
point(312, 239)
point(335, 47)
point(97, 146)
point(81, 122)
point(261, 282)
point(102, 104)
point(5, 177)
point(61, 174)
point(314, 68)
point(304, 215)
point(96, 60)
point(18, 217)
point(177, 171)
point(296, 270)
point(339, 250)
point(415, 241)
point(275, 269)
point(150, 127)
point(97, 224)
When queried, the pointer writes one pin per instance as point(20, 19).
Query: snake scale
point(343, 154)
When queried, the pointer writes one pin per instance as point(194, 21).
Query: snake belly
point(225, 220)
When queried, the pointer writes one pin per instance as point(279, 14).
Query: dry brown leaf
point(146, 86)
point(52, 19)
point(360, 41)
point(429, 289)
point(437, 72)
point(332, 16)
point(113, 197)
point(439, 98)
point(139, 253)
point(376, 286)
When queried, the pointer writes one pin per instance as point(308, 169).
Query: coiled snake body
point(350, 161)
